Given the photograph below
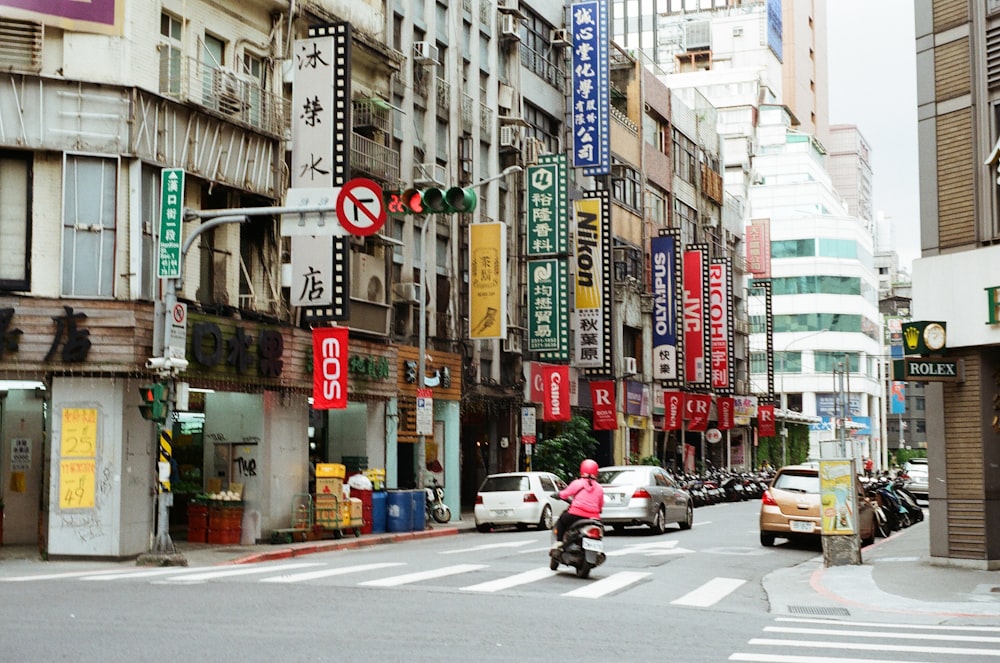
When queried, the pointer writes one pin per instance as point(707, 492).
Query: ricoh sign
point(914, 369)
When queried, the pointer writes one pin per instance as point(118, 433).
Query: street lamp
point(784, 396)
point(422, 338)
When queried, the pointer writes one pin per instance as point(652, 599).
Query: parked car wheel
point(483, 527)
point(689, 519)
point(766, 539)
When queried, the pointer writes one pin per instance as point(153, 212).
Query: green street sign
point(168, 263)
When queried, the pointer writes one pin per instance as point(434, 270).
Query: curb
point(342, 544)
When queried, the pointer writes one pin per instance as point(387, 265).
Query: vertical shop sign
point(593, 282)
point(720, 317)
point(666, 289)
point(696, 339)
point(602, 397)
point(725, 409)
point(759, 248)
point(765, 420)
point(696, 410)
point(528, 429)
point(548, 309)
point(673, 410)
point(591, 88)
point(547, 229)
point(487, 280)
point(321, 140)
point(330, 357)
point(555, 401)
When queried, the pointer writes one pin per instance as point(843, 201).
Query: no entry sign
point(360, 207)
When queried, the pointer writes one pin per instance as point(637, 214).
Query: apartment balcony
point(374, 159)
point(370, 115)
point(235, 95)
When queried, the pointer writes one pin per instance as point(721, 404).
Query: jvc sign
point(913, 369)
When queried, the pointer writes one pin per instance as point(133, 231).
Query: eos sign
point(330, 368)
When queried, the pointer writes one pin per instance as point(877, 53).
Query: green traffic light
point(434, 201)
point(461, 200)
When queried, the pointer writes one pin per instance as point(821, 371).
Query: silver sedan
point(644, 495)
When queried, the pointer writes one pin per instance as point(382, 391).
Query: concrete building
point(956, 281)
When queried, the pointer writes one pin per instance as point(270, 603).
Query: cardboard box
point(356, 506)
point(330, 471)
point(328, 486)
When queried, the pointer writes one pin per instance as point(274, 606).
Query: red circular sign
point(360, 207)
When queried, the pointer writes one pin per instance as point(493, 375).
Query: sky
point(871, 66)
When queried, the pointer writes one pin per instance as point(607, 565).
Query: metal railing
point(374, 159)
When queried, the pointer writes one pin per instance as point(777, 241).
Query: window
point(656, 207)
point(793, 248)
point(817, 284)
point(170, 55)
point(626, 186)
point(827, 362)
point(686, 218)
point(15, 221)
point(543, 126)
point(150, 210)
point(537, 53)
point(788, 362)
point(88, 251)
point(684, 157)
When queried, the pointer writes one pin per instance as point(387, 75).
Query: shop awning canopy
point(793, 417)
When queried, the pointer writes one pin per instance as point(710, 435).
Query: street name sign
point(168, 264)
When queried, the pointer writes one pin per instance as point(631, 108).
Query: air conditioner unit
point(508, 6)
point(425, 174)
point(561, 37)
point(629, 366)
point(230, 90)
point(425, 52)
point(510, 26)
point(406, 293)
point(368, 278)
point(510, 136)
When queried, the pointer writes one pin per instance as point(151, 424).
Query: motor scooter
point(582, 547)
point(436, 508)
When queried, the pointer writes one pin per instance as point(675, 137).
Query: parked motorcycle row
point(725, 486)
point(895, 506)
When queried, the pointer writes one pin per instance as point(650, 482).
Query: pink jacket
point(588, 498)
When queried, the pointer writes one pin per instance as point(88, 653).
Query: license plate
point(500, 512)
point(800, 526)
point(593, 544)
point(616, 498)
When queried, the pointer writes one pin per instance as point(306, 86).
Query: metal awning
point(793, 417)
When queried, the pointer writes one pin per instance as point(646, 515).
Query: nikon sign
point(912, 369)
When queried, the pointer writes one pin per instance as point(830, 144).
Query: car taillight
point(641, 493)
point(479, 499)
point(530, 497)
point(767, 499)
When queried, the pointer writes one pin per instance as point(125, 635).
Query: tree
point(563, 453)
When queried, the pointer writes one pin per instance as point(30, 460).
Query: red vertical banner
point(673, 410)
point(765, 420)
point(555, 402)
point(725, 406)
point(720, 323)
point(602, 396)
point(696, 408)
point(695, 316)
point(329, 368)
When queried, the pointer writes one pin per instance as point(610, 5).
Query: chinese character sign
point(548, 306)
point(593, 282)
point(547, 231)
point(171, 216)
point(312, 272)
point(487, 280)
point(759, 248)
point(320, 102)
point(590, 119)
point(666, 289)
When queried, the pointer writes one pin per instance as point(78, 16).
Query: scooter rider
point(588, 499)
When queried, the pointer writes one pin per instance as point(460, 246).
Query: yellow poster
point(487, 280)
point(76, 484)
point(589, 253)
point(79, 433)
point(837, 497)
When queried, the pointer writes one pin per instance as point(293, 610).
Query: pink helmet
point(588, 468)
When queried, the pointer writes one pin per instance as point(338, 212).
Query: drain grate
point(815, 610)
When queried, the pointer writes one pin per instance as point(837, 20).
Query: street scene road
point(697, 595)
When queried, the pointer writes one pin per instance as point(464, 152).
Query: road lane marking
point(511, 581)
point(326, 573)
point(654, 549)
point(875, 646)
point(604, 586)
point(785, 658)
point(57, 576)
point(423, 575)
point(136, 574)
point(888, 625)
point(489, 546)
point(883, 634)
point(710, 593)
point(240, 571)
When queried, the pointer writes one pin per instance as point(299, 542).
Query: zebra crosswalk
point(481, 578)
point(813, 640)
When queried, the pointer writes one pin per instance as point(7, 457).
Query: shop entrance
point(23, 444)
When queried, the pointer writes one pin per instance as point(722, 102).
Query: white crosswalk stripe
point(394, 581)
point(328, 573)
point(598, 588)
point(242, 570)
point(710, 593)
point(511, 581)
point(837, 641)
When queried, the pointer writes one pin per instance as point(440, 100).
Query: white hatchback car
point(520, 499)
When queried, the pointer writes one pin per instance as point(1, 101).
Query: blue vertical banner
point(591, 87)
point(897, 399)
point(666, 289)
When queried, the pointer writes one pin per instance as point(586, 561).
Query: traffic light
point(411, 370)
point(153, 402)
point(455, 200)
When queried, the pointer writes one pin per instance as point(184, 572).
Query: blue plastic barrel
point(419, 498)
point(378, 511)
point(399, 510)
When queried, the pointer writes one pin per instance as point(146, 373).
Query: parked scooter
point(436, 508)
point(582, 547)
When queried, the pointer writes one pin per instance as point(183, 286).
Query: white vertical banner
point(312, 271)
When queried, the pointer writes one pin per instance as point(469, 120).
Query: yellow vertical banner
point(838, 504)
point(487, 280)
point(164, 465)
point(77, 454)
